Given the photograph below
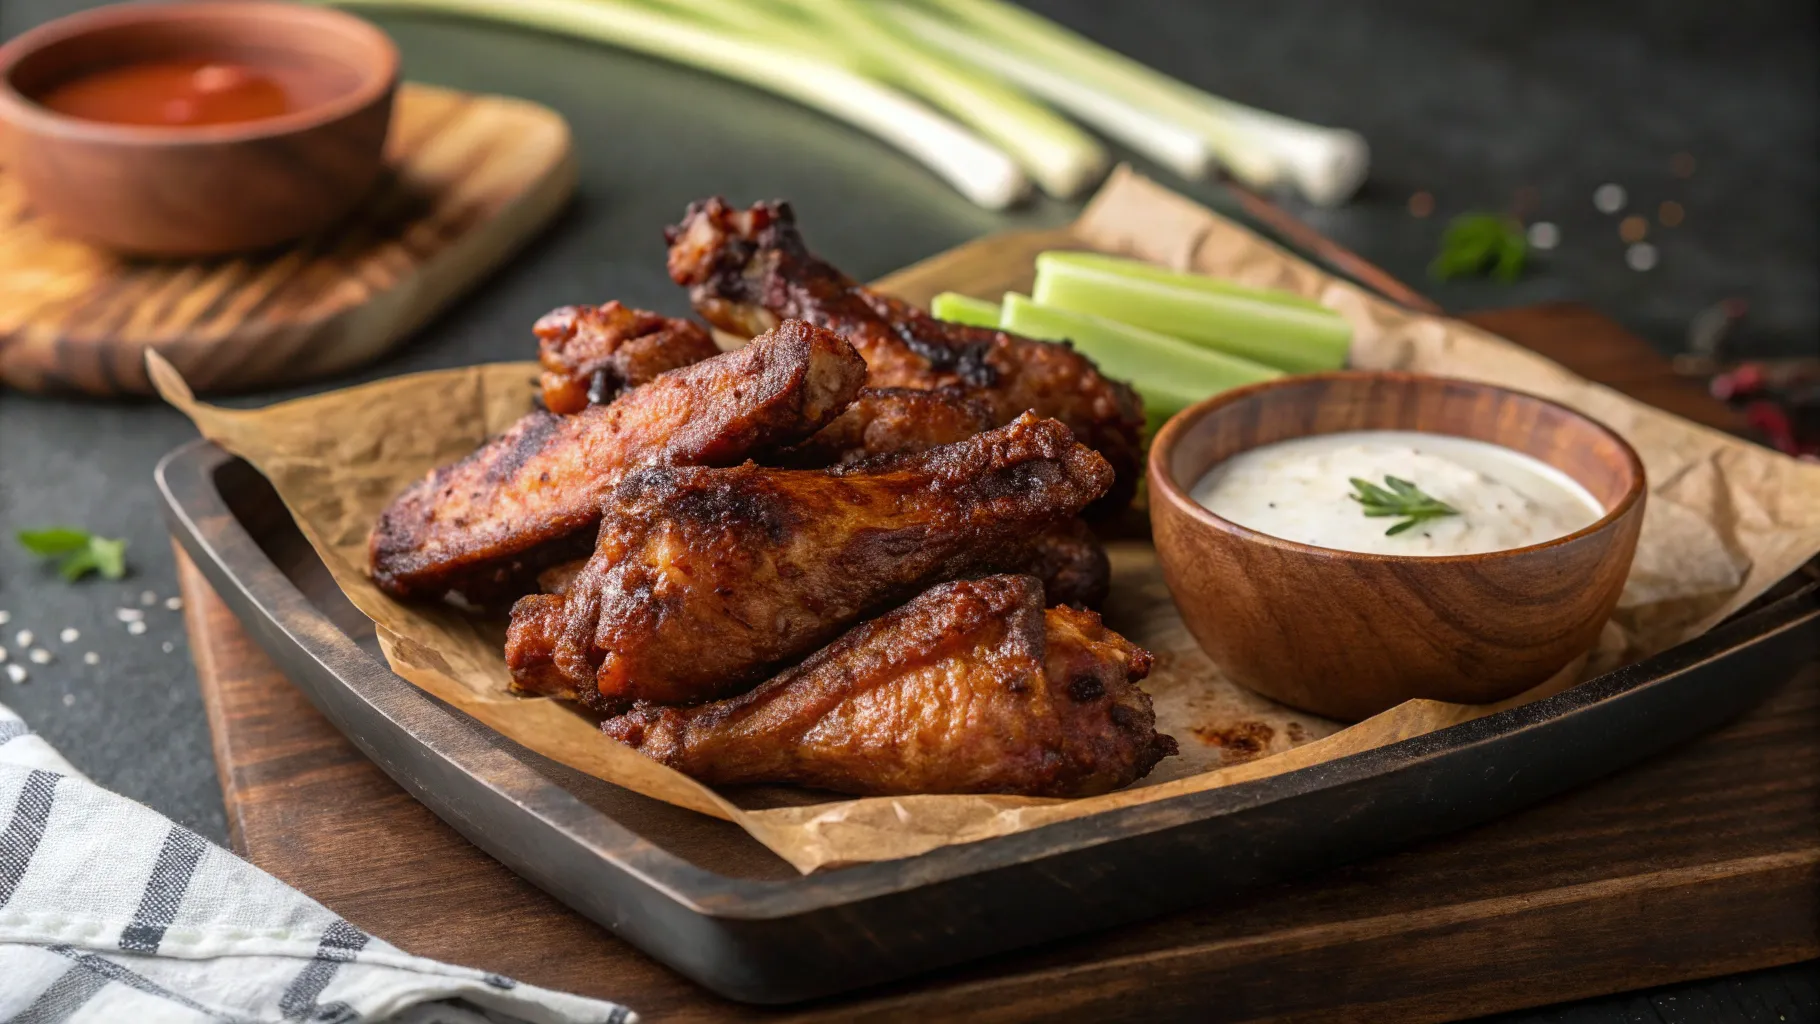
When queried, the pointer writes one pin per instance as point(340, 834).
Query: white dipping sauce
point(1300, 490)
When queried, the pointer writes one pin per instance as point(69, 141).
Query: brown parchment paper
point(1726, 519)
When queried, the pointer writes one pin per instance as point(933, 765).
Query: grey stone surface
point(1467, 101)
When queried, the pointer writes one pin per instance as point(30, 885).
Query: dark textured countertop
point(1470, 102)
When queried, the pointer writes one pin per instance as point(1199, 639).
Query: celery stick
point(1143, 271)
point(1170, 374)
point(1290, 334)
point(964, 309)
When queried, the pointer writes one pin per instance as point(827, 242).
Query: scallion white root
point(1062, 158)
point(1171, 143)
point(982, 172)
point(1260, 149)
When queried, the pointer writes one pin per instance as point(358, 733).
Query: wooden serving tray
point(704, 897)
point(472, 179)
point(1699, 862)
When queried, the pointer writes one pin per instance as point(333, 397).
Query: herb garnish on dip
point(1472, 496)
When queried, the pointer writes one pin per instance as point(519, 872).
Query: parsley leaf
point(1481, 243)
point(78, 552)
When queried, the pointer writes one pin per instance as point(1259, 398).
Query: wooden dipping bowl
point(1346, 634)
point(201, 190)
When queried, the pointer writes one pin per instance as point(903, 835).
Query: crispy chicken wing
point(746, 268)
point(970, 688)
point(883, 422)
point(592, 353)
point(484, 525)
point(703, 581)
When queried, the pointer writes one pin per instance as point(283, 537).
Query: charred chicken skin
point(704, 581)
point(488, 523)
point(590, 354)
point(970, 688)
point(746, 269)
point(883, 422)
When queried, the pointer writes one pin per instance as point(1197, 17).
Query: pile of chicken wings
point(852, 554)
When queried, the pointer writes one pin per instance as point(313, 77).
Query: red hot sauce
point(170, 93)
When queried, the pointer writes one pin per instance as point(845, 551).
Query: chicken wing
point(486, 524)
point(703, 581)
point(592, 353)
point(746, 268)
point(883, 422)
point(970, 688)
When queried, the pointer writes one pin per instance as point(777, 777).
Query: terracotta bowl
point(1346, 634)
point(204, 189)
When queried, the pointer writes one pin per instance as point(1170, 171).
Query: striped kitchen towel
point(110, 911)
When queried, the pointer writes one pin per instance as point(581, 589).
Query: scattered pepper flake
point(1421, 204)
point(1670, 214)
point(1633, 228)
point(1681, 165)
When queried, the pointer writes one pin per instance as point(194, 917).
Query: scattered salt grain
point(69, 700)
point(174, 603)
point(16, 673)
point(1609, 198)
point(147, 598)
point(23, 638)
point(1544, 235)
point(1641, 256)
point(128, 614)
point(91, 658)
point(168, 646)
point(5, 616)
point(40, 656)
point(135, 627)
point(2, 654)
point(70, 635)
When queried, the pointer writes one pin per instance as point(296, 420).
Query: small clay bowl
point(199, 190)
point(1346, 634)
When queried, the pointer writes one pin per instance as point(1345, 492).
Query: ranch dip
point(1302, 490)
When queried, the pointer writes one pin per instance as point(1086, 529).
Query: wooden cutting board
point(471, 179)
point(1702, 862)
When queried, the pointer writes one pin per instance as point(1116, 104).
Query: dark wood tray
point(706, 899)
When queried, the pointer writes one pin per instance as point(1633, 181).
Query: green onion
point(1063, 159)
point(1262, 150)
point(979, 170)
point(1171, 143)
point(964, 309)
point(1272, 328)
point(1170, 374)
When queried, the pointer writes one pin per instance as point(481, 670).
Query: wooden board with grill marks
point(472, 178)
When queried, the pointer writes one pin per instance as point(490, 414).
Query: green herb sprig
point(78, 552)
point(1481, 243)
point(1403, 500)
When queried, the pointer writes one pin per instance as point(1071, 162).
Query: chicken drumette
point(590, 354)
point(704, 581)
point(970, 688)
point(746, 269)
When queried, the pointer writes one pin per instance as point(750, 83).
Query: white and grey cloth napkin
point(110, 911)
